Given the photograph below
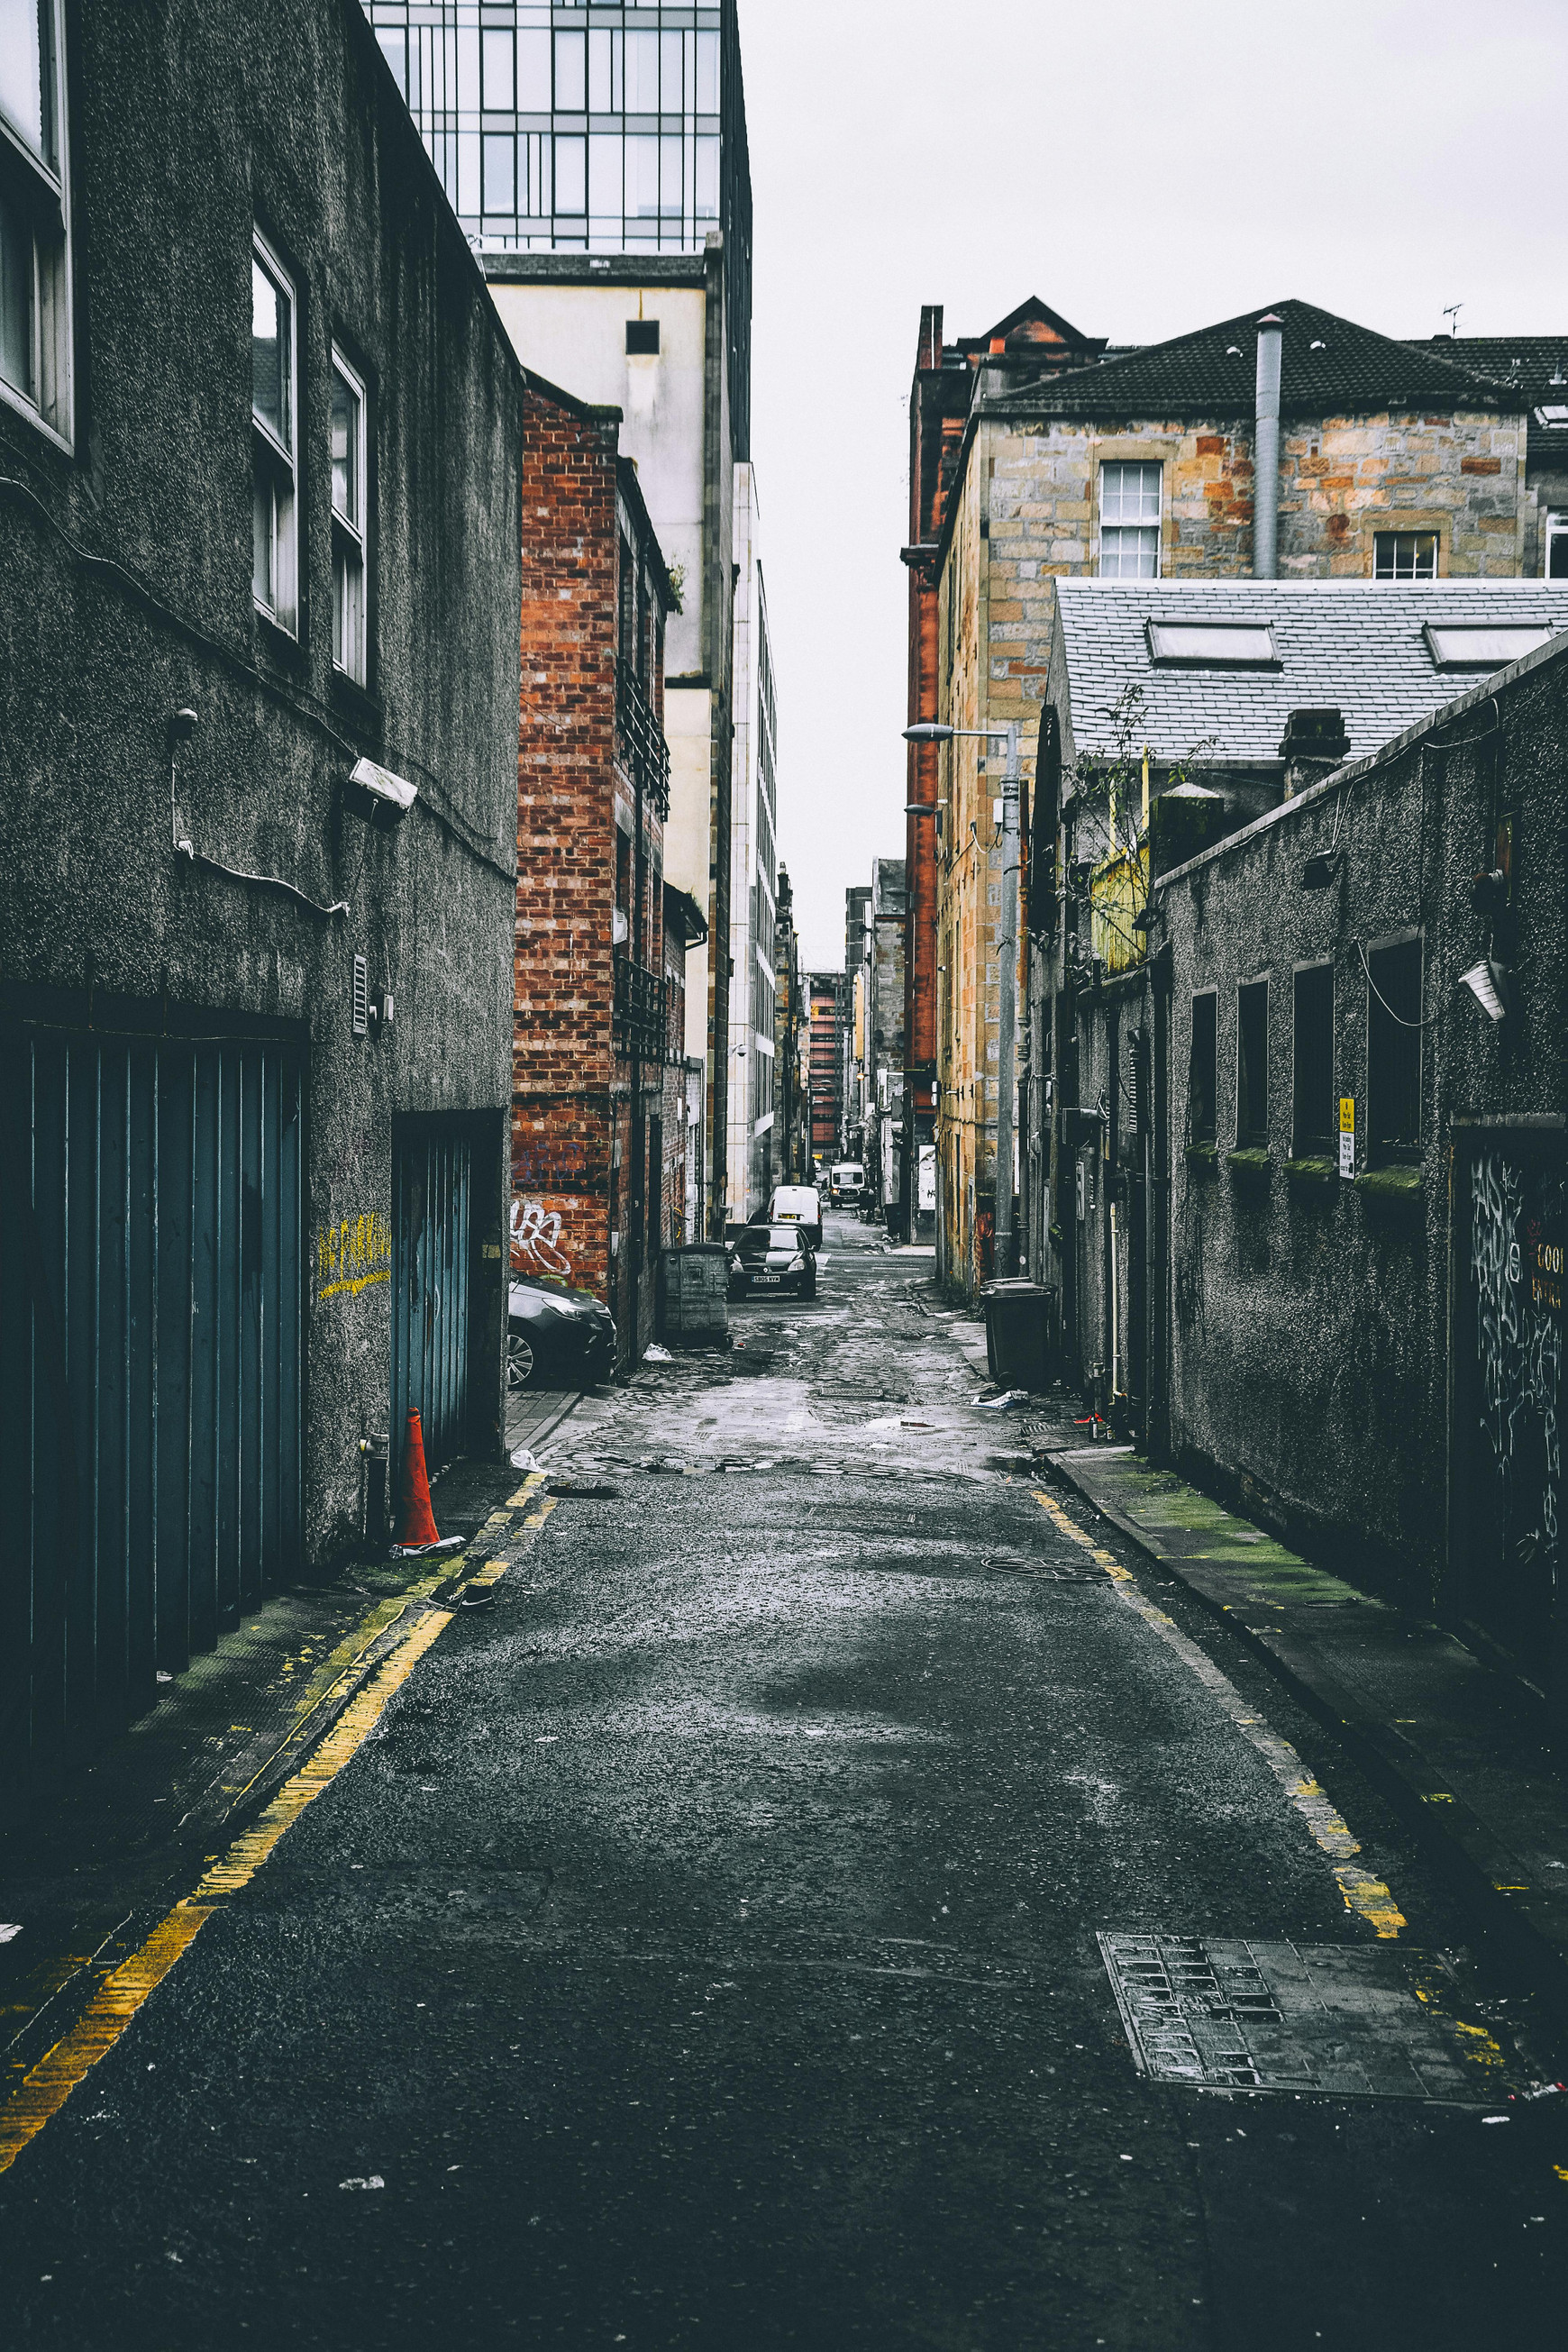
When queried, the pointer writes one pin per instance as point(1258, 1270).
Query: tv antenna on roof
point(1452, 314)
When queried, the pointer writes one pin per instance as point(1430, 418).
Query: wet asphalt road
point(701, 1952)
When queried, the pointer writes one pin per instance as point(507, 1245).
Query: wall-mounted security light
point(375, 793)
point(1487, 983)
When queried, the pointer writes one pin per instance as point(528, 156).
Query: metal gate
point(1510, 1232)
point(149, 1340)
point(432, 1206)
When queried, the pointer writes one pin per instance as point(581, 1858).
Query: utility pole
point(1007, 975)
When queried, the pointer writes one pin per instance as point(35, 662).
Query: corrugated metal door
point(430, 1293)
point(150, 1268)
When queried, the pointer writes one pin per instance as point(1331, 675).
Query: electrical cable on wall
point(460, 832)
point(1426, 1020)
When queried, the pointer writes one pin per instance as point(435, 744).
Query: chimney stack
point(1314, 744)
point(1265, 453)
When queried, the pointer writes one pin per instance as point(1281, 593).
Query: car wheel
point(519, 1361)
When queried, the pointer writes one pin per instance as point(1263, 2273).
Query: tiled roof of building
point(1355, 646)
point(1534, 366)
point(1327, 364)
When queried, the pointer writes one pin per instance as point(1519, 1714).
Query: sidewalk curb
point(1451, 1833)
point(551, 1421)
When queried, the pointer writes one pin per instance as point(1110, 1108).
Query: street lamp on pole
point(933, 730)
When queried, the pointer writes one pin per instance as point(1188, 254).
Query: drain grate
point(1219, 2013)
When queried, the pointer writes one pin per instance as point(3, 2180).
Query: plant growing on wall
point(1108, 794)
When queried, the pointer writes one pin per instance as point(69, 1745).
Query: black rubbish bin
point(1019, 1324)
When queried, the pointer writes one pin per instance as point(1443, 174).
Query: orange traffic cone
point(415, 1519)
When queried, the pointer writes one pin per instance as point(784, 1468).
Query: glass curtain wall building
point(567, 128)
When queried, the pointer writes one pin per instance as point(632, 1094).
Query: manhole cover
point(1222, 2014)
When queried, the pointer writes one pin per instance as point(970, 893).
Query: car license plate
point(767, 1278)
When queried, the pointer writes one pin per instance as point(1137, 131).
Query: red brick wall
point(572, 1131)
point(563, 982)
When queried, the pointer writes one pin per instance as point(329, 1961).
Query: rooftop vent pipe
point(1266, 452)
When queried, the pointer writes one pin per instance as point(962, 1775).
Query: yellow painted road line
point(43, 2092)
point(1363, 1893)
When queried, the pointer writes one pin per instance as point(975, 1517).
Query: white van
point(798, 1204)
point(846, 1183)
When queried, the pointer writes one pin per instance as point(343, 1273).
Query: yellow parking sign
point(1347, 1135)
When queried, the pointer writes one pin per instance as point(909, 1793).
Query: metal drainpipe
point(1266, 452)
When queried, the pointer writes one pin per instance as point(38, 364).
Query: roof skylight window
point(1212, 645)
point(1482, 644)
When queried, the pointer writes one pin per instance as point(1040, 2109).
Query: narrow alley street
point(710, 1941)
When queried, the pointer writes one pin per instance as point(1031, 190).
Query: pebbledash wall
point(596, 1158)
point(1370, 1362)
point(132, 972)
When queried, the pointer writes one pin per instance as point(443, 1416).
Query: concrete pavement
point(713, 1942)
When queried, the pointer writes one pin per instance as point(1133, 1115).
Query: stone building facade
point(793, 1067)
point(592, 1182)
point(878, 1072)
point(1394, 461)
point(260, 530)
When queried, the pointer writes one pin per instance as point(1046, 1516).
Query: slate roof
point(1525, 363)
point(1355, 646)
point(1214, 373)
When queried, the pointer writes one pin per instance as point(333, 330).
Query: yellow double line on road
point(1363, 1893)
point(43, 2092)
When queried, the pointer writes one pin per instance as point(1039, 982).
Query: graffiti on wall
point(351, 1255)
point(536, 1243)
point(1516, 1275)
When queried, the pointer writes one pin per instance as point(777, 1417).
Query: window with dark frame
point(1202, 1069)
point(1252, 1065)
point(642, 338)
point(1314, 1117)
point(1393, 1052)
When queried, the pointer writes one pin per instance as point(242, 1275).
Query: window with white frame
point(274, 381)
point(1405, 555)
point(1555, 566)
point(35, 216)
point(349, 493)
point(1130, 522)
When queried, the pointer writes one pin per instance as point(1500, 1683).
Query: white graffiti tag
point(1495, 1270)
point(536, 1240)
point(1519, 1352)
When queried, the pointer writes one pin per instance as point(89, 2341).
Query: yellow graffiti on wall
point(352, 1255)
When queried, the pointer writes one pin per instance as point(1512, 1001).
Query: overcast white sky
point(1144, 169)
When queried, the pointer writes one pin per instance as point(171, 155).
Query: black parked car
point(555, 1335)
point(773, 1258)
